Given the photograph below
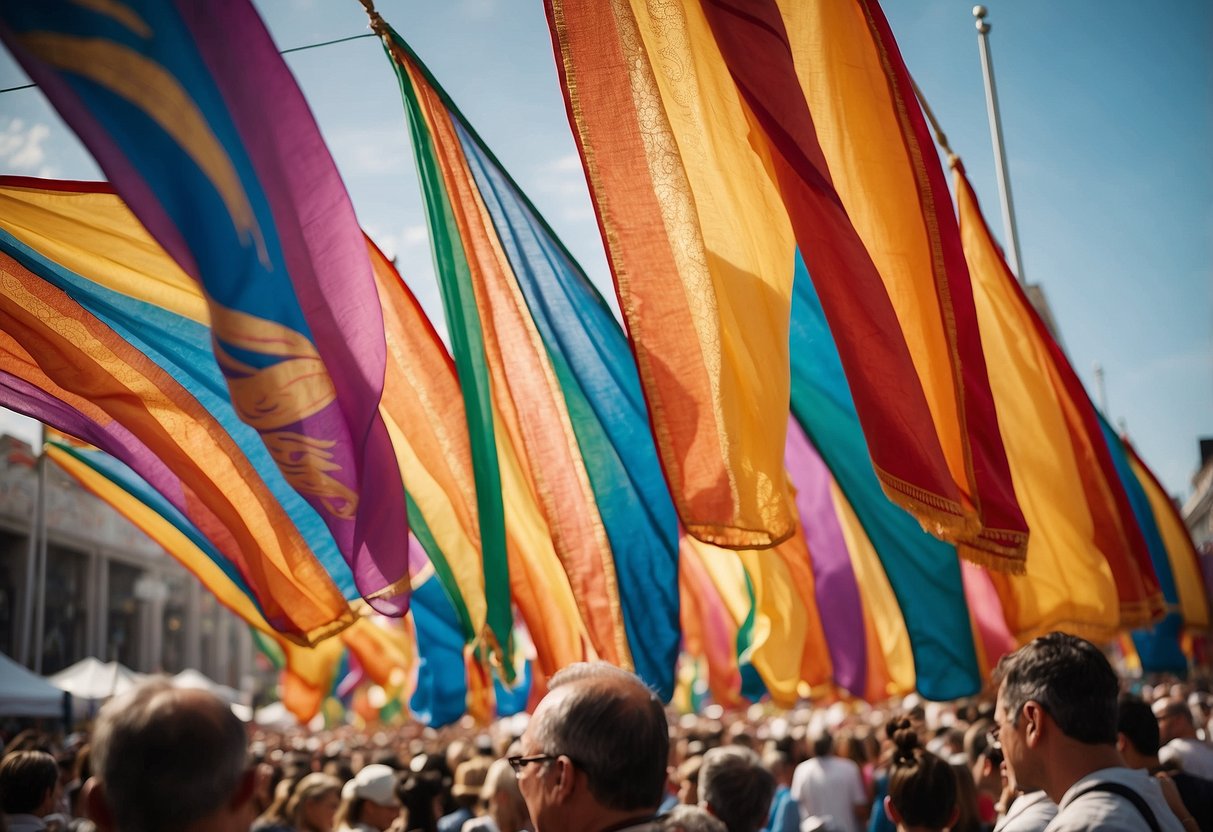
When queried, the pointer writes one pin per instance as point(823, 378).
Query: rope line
point(282, 52)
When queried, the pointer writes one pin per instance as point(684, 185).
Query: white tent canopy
point(190, 678)
point(275, 715)
point(24, 693)
point(93, 679)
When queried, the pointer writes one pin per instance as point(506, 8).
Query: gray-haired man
point(594, 754)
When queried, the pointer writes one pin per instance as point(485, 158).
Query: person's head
point(740, 733)
point(734, 787)
point(169, 758)
point(29, 783)
point(1174, 720)
point(823, 744)
point(1137, 733)
point(370, 798)
point(922, 786)
point(457, 751)
point(595, 749)
point(779, 763)
point(275, 813)
point(968, 811)
point(685, 818)
point(421, 792)
point(1056, 707)
point(984, 757)
point(469, 780)
point(1070, 679)
point(504, 801)
point(313, 803)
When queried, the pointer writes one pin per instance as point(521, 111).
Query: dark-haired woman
point(922, 786)
point(421, 794)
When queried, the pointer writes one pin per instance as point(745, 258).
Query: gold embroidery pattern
point(278, 395)
point(305, 462)
point(938, 264)
point(120, 12)
point(671, 186)
point(153, 89)
point(284, 393)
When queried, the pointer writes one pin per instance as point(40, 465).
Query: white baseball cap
point(376, 783)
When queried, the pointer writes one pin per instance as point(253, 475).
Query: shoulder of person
point(1087, 806)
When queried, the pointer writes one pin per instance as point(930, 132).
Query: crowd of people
point(1061, 747)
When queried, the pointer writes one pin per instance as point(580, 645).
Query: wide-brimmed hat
point(469, 777)
point(375, 783)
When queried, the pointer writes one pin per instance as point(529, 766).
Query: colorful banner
point(707, 173)
point(526, 320)
point(192, 114)
point(67, 368)
point(1088, 568)
point(926, 602)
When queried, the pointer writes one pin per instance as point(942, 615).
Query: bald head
point(1174, 719)
point(167, 757)
point(612, 727)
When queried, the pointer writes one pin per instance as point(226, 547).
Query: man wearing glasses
point(1056, 723)
point(594, 754)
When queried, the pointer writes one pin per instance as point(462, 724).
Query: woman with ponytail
point(922, 786)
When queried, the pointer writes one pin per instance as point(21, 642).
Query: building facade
point(110, 591)
point(1198, 510)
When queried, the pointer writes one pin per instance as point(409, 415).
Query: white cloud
point(569, 163)
point(21, 145)
point(414, 235)
point(395, 243)
point(564, 179)
point(371, 151)
point(479, 9)
point(1179, 365)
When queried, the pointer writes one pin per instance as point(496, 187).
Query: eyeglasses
point(519, 763)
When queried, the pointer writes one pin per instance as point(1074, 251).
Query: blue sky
point(1108, 120)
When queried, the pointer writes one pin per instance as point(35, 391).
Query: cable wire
point(283, 52)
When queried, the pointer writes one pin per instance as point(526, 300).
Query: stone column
point(244, 661)
point(153, 625)
point(91, 624)
point(222, 671)
point(101, 606)
point(193, 626)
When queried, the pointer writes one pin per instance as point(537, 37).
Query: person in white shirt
point(829, 786)
point(1055, 720)
point(1181, 746)
point(1030, 812)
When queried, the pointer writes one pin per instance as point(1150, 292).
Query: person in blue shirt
point(784, 815)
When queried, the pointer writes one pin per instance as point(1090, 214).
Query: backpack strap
point(1128, 794)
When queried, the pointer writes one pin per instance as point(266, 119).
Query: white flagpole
point(1000, 155)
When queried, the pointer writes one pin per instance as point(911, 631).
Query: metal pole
point(1000, 155)
point(1101, 391)
point(40, 609)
